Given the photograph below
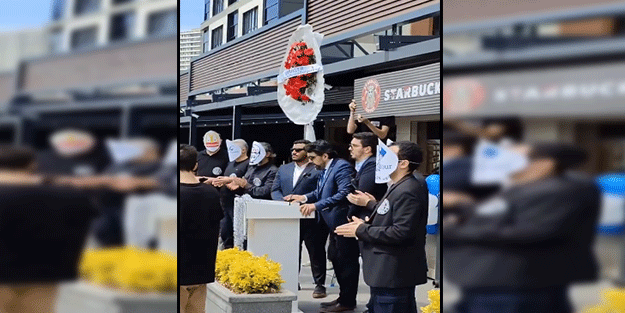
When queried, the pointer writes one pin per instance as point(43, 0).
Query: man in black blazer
point(362, 149)
point(300, 177)
point(393, 237)
point(519, 250)
point(329, 200)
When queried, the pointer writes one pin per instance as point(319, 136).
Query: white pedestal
point(273, 229)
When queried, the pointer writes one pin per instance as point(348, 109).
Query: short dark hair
point(567, 157)
point(188, 157)
point(16, 157)
point(304, 141)
point(367, 139)
point(409, 151)
point(320, 147)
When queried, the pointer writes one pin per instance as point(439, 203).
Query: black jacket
point(531, 236)
point(393, 241)
point(259, 181)
point(364, 180)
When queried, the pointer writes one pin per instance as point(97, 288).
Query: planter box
point(84, 297)
point(221, 300)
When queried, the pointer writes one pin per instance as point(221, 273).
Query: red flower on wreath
point(296, 87)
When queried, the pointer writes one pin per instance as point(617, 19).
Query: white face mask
point(212, 141)
point(234, 151)
point(258, 153)
point(71, 143)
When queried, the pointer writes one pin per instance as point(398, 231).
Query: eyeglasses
point(297, 150)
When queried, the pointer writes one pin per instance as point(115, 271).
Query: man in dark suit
point(300, 177)
point(362, 149)
point(393, 237)
point(329, 199)
point(519, 250)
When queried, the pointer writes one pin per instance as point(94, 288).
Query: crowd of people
point(519, 219)
point(54, 200)
point(384, 223)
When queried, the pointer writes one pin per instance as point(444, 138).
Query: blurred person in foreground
point(199, 214)
point(145, 162)
point(43, 228)
point(235, 169)
point(392, 238)
point(329, 200)
point(301, 177)
point(261, 172)
point(213, 160)
point(520, 250)
point(74, 152)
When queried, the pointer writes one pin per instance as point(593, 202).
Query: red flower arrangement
point(295, 87)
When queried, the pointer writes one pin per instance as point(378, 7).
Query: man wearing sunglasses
point(300, 177)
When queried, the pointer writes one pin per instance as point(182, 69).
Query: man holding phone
point(362, 149)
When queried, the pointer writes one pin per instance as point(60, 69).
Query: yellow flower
point(130, 268)
point(435, 302)
point(242, 272)
point(613, 301)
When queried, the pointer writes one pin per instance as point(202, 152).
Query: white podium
point(273, 229)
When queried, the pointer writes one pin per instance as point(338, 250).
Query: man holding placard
point(239, 161)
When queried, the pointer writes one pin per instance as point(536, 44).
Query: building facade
point(190, 47)
point(226, 20)
point(86, 24)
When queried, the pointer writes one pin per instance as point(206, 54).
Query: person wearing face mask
point(212, 162)
point(235, 169)
point(300, 177)
point(392, 239)
point(519, 250)
point(261, 172)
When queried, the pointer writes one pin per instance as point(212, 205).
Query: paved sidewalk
point(310, 305)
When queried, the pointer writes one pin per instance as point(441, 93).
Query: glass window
point(163, 23)
point(57, 9)
point(207, 9)
point(216, 37)
point(206, 47)
point(84, 38)
point(86, 6)
point(271, 11)
point(233, 25)
point(218, 6)
point(56, 41)
point(231, 1)
point(250, 20)
point(122, 26)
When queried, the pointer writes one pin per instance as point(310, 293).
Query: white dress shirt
point(298, 172)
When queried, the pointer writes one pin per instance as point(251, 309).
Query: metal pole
point(236, 122)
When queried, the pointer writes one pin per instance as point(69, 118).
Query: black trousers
point(343, 253)
point(227, 228)
point(314, 234)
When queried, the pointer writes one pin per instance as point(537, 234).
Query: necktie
point(323, 179)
